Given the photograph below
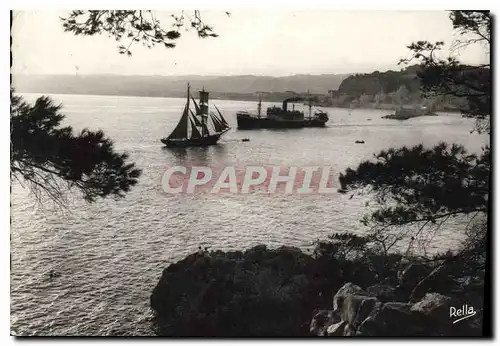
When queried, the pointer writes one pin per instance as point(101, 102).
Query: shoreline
point(222, 98)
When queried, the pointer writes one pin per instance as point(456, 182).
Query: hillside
point(381, 82)
point(387, 90)
point(174, 86)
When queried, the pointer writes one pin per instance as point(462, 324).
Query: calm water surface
point(110, 254)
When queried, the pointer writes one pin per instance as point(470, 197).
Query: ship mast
point(310, 103)
point(204, 112)
point(187, 109)
point(259, 106)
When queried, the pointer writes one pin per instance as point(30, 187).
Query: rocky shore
point(285, 292)
point(404, 114)
point(377, 311)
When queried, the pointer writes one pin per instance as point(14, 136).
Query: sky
point(259, 42)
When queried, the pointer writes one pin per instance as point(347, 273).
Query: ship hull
point(195, 142)
point(246, 122)
point(314, 123)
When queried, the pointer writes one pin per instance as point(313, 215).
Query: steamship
point(282, 117)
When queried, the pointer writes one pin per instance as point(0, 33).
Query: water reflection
point(196, 156)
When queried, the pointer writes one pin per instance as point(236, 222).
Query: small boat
point(245, 140)
point(198, 127)
point(359, 142)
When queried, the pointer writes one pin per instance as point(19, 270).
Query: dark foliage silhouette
point(51, 159)
point(135, 26)
point(449, 76)
point(417, 184)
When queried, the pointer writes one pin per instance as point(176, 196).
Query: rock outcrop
point(259, 292)
point(265, 292)
point(359, 312)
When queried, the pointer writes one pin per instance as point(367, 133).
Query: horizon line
point(203, 75)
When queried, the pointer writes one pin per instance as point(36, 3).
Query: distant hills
point(390, 90)
point(243, 87)
point(380, 90)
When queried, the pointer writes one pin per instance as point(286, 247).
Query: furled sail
point(181, 130)
point(200, 112)
point(218, 126)
point(221, 118)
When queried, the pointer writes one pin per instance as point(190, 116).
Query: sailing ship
point(277, 117)
point(198, 127)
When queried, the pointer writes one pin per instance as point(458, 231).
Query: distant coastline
point(278, 97)
point(386, 91)
point(242, 97)
point(230, 87)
